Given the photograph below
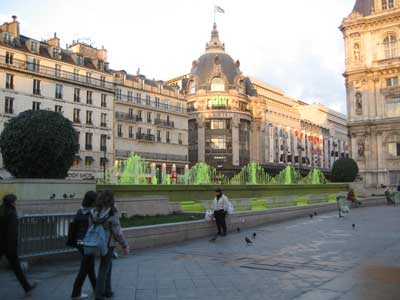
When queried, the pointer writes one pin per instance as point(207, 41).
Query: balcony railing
point(152, 156)
point(122, 116)
point(164, 123)
point(54, 73)
point(145, 137)
point(154, 104)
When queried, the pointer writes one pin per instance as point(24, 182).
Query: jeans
point(219, 216)
point(103, 283)
point(87, 268)
point(15, 264)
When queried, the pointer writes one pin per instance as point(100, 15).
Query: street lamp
point(105, 157)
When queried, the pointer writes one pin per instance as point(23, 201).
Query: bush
point(344, 170)
point(38, 144)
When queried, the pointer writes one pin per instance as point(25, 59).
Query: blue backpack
point(95, 241)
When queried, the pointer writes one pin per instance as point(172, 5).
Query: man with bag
point(222, 206)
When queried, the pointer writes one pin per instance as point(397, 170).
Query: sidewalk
point(321, 258)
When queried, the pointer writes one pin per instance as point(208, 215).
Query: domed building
point(235, 119)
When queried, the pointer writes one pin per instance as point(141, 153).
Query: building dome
point(215, 64)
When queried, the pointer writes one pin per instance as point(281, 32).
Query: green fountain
point(201, 173)
point(135, 171)
point(252, 173)
point(315, 177)
point(287, 176)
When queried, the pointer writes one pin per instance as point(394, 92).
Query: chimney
point(14, 17)
point(54, 41)
point(102, 54)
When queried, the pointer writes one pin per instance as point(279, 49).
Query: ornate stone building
point(234, 119)
point(371, 35)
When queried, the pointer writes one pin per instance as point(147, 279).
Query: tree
point(38, 144)
point(344, 170)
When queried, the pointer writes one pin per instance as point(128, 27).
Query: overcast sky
point(294, 45)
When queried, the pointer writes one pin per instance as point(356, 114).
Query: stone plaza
point(307, 258)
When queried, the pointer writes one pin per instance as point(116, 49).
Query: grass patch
point(136, 221)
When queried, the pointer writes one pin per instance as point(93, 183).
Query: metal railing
point(44, 234)
point(55, 73)
point(154, 104)
point(164, 123)
point(145, 137)
point(122, 116)
point(152, 156)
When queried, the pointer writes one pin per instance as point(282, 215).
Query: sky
point(293, 45)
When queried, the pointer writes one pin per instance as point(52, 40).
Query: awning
point(77, 157)
point(89, 158)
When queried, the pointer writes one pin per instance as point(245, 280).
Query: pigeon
point(311, 216)
point(248, 241)
point(214, 238)
point(72, 195)
point(238, 229)
point(254, 235)
point(315, 213)
point(65, 196)
point(52, 196)
point(354, 226)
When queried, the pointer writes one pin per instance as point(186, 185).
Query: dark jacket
point(82, 223)
point(8, 230)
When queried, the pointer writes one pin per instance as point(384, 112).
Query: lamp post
point(105, 157)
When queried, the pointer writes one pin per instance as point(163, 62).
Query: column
point(201, 141)
point(236, 142)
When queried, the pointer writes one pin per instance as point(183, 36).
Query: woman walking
point(9, 239)
point(81, 225)
point(106, 213)
point(221, 205)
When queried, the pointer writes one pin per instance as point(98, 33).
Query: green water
point(252, 173)
point(287, 176)
point(135, 171)
point(201, 173)
point(315, 177)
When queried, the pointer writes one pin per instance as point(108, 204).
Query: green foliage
point(38, 144)
point(344, 170)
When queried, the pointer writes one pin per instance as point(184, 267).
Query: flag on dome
point(219, 9)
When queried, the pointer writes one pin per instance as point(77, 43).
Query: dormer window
point(100, 66)
point(56, 53)
point(192, 87)
point(7, 37)
point(217, 85)
point(79, 59)
point(34, 46)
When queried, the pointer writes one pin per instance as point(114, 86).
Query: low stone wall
point(161, 235)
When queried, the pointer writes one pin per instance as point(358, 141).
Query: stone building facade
point(151, 121)
point(235, 119)
point(371, 35)
point(74, 82)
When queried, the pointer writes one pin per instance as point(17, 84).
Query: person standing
point(221, 205)
point(106, 213)
point(9, 239)
point(87, 267)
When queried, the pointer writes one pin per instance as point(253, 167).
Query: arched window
point(386, 4)
point(390, 46)
point(217, 84)
point(192, 87)
point(356, 52)
point(359, 106)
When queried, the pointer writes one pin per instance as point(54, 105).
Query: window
point(118, 94)
point(394, 149)
point(89, 97)
point(77, 95)
point(131, 132)
point(58, 91)
point(218, 143)
point(9, 81)
point(36, 87)
point(390, 46)
point(9, 105)
point(157, 102)
point(33, 64)
point(88, 161)
point(217, 85)
point(103, 120)
point(76, 117)
point(166, 104)
point(34, 46)
point(130, 113)
point(130, 97)
point(393, 107)
point(180, 141)
point(119, 130)
point(35, 105)
point(103, 161)
point(138, 98)
point(139, 131)
point(192, 87)
point(387, 4)
point(88, 77)
point(89, 115)
point(392, 81)
point(139, 117)
point(148, 100)
point(9, 58)
point(79, 60)
point(158, 135)
point(56, 53)
point(58, 109)
point(217, 124)
point(102, 80)
point(58, 71)
point(103, 100)
point(7, 37)
point(167, 137)
point(76, 74)
point(149, 117)
point(88, 141)
point(103, 142)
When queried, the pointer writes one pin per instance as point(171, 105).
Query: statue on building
point(359, 106)
point(361, 149)
point(356, 52)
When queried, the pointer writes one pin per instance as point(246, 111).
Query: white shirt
point(222, 203)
